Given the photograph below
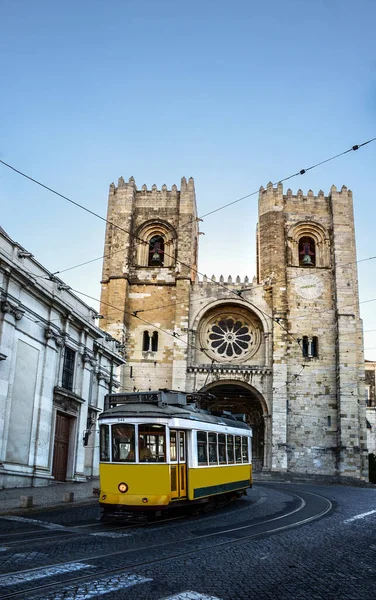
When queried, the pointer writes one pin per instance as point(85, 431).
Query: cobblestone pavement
point(333, 558)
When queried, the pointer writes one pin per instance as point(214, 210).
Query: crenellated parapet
point(231, 282)
point(272, 196)
point(144, 191)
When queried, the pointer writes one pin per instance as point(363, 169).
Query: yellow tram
point(158, 450)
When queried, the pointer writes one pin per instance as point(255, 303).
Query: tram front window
point(151, 443)
point(104, 442)
point(123, 443)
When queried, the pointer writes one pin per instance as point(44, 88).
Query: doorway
point(240, 400)
point(61, 446)
point(178, 464)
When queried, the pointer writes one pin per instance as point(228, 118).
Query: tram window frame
point(155, 450)
point(202, 443)
point(104, 443)
point(212, 448)
point(245, 451)
point(173, 446)
point(238, 449)
point(222, 454)
point(228, 437)
point(120, 452)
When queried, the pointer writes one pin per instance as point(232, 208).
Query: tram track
point(66, 532)
point(238, 534)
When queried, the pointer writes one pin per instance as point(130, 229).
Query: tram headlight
point(122, 487)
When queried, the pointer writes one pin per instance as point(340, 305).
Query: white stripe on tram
point(93, 589)
point(361, 516)
point(191, 596)
point(10, 579)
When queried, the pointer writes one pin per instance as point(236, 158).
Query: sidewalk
point(57, 494)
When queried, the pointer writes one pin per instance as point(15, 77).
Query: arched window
point(154, 341)
point(145, 341)
point(150, 342)
point(158, 246)
point(307, 252)
point(310, 347)
point(156, 251)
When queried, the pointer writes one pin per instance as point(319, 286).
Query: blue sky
point(234, 93)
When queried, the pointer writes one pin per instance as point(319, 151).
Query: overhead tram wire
point(174, 335)
point(238, 292)
point(134, 314)
point(301, 172)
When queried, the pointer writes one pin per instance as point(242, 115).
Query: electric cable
point(301, 172)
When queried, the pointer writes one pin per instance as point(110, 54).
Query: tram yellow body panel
point(148, 484)
point(209, 481)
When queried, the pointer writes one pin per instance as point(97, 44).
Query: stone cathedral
point(285, 349)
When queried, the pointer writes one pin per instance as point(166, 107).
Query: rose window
point(230, 337)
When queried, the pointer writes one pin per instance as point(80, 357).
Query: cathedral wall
point(302, 360)
point(203, 369)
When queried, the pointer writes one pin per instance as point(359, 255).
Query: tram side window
point(222, 448)
point(104, 443)
point(230, 449)
point(238, 449)
point(123, 443)
point(202, 450)
point(245, 449)
point(152, 443)
point(213, 453)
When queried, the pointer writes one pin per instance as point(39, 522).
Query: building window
point(307, 252)
point(68, 369)
point(310, 347)
point(156, 251)
point(150, 342)
point(154, 341)
point(145, 341)
point(230, 337)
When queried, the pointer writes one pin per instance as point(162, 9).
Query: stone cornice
point(218, 368)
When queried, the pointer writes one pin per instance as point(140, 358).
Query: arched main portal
point(241, 400)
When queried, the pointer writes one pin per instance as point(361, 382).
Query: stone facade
point(56, 366)
point(286, 348)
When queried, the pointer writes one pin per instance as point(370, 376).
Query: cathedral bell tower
point(149, 267)
point(306, 253)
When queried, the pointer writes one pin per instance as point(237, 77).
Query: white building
point(56, 366)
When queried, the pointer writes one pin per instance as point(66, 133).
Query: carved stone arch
point(247, 386)
point(146, 232)
point(320, 238)
point(240, 397)
point(266, 322)
point(230, 332)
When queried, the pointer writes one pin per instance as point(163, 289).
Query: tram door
point(178, 466)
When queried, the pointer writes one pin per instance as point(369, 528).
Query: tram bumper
point(133, 501)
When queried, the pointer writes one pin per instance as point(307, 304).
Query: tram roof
point(190, 411)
